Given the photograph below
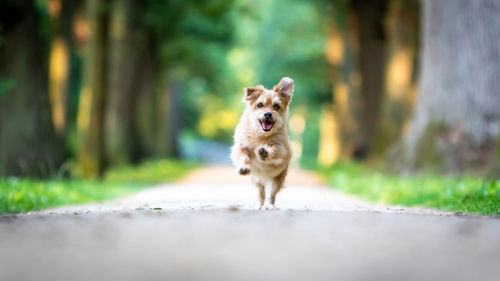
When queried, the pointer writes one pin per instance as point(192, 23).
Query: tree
point(91, 161)
point(356, 50)
point(61, 24)
point(400, 85)
point(126, 47)
point(372, 51)
point(367, 23)
point(187, 45)
point(457, 120)
point(27, 143)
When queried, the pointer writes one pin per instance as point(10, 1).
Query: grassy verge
point(24, 195)
point(461, 194)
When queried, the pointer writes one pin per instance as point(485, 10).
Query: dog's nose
point(268, 115)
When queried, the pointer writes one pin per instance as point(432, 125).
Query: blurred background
point(87, 85)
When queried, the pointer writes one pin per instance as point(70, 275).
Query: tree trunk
point(400, 76)
point(368, 20)
point(61, 14)
point(358, 61)
point(167, 117)
point(341, 53)
point(146, 105)
point(311, 135)
point(93, 94)
point(125, 55)
point(174, 119)
point(494, 170)
point(457, 120)
point(28, 146)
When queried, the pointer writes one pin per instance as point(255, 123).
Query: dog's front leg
point(269, 154)
point(241, 158)
point(264, 152)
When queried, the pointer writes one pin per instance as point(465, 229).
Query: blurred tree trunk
point(61, 15)
point(402, 22)
point(159, 118)
point(311, 135)
point(126, 48)
point(373, 74)
point(161, 106)
point(93, 94)
point(494, 169)
point(342, 47)
point(146, 105)
point(174, 120)
point(28, 146)
point(457, 119)
point(358, 60)
point(153, 109)
point(367, 19)
point(167, 117)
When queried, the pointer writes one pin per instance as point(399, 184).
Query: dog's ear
point(285, 88)
point(252, 94)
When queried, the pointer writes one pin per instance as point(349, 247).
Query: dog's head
point(268, 108)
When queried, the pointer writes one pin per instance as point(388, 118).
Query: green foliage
point(191, 40)
point(212, 49)
point(293, 44)
point(287, 38)
point(461, 194)
point(6, 85)
point(24, 195)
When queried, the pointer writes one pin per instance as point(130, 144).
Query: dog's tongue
point(267, 125)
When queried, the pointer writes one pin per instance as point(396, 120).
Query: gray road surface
point(206, 228)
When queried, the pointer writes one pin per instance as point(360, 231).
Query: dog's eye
point(260, 105)
point(277, 107)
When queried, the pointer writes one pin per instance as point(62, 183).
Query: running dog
point(261, 148)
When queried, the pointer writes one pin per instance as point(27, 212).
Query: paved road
point(206, 228)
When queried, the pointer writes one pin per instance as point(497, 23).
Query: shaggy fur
point(261, 148)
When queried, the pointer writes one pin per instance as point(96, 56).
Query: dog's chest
point(265, 171)
point(273, 165)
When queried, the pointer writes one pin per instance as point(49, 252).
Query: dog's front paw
point(263, 153)
point(245, 170)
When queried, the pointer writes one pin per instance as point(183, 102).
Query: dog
point(261, 147)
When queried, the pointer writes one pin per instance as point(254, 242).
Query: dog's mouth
point(266, 125)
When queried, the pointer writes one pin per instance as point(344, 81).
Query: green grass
point(24, 195)
point(150, 172)
point(460, 194)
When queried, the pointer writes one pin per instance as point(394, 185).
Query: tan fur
point(264, 156)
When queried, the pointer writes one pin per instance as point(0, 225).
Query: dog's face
point(267, 109)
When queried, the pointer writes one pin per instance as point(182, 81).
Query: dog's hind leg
point(277, 185)
point(262, 194)
point(262, 191)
